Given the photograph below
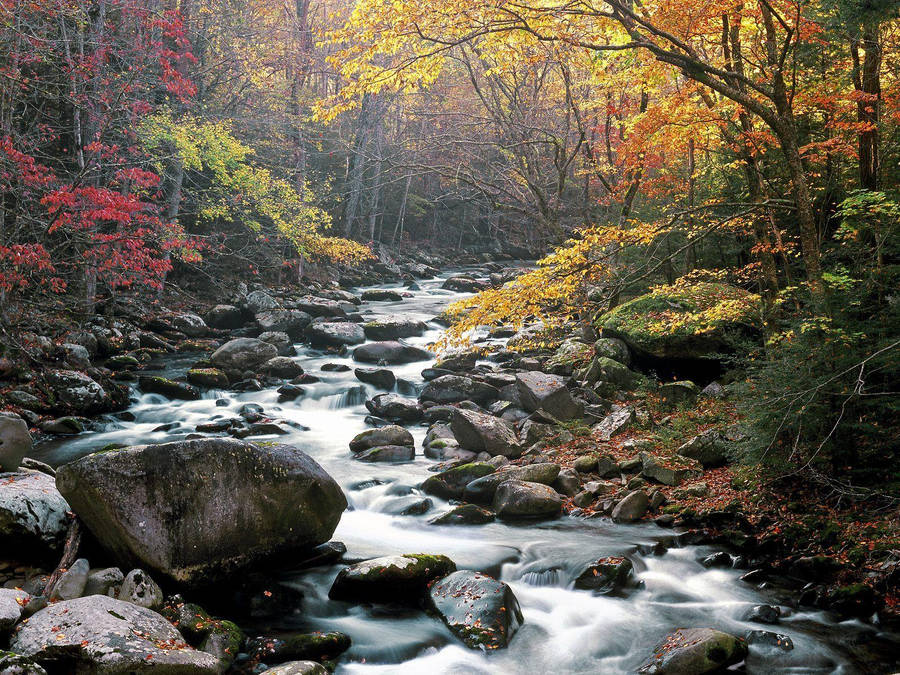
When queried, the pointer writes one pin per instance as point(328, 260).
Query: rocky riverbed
point(286, 482)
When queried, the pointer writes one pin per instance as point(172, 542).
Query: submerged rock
point(482, 612)
point(198, 511)
point(397, 579)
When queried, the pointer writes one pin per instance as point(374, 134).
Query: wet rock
point(227, 317)
point(299, 668)
point(465, 514)
point(516, 499)
point(160, 507)
point(387, 453)
point(72, 582)
point(695, 651)
point(242, 354)
point(64, 426)
point(718, 559)
point(457, 361)
point(451, 483)
point(335, 334)
point(212, 378)
point(393, 327)
point(539, 391)
point(15, 441)
point(377, 377)
point(814, 568)
point(605, 575)
point(402, 579)
point(12, 602)
point(464, 284)
point(169, 388)
point(480, 431)
point(77, 393)
point(390, 352)
point(106, 581)
point(482, 490)
point(298, 646)
point(381, 295)
point(762, 614)
point(99, 634)
point(631, 507)
point(769, 639)
point(33, 518)
point(290, 321)
point(388, 435)
point(457, 388)
point(856, 600)
point(410, 505)
point(395, 407)
point(481, 611)
point(139, 589)
point(282, 366)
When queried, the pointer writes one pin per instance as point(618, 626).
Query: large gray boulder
point(243, 354)
point(390, 352)
point(334, 334)
point(320, 306)
point(77, 392)
point(482, 490)
point(201, 510)
point(457, 388)
point(480, 431)
point(15, 441)
point(481, 611)
point(395, 579)
point(12, 602)
point(290, 321)
point(393, 327)
point(516, 499)
point(98, 634)
point(395, 407)
point(259, 301)
point(548, 392)
point(388, 435)
point(695, 651)
point(32, 514)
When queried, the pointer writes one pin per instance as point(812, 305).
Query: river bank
point(464, 412)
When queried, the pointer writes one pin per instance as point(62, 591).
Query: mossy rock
point(396, 579)
point(208, 377)
point(699, 321)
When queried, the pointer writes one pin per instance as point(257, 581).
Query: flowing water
point(565, 631)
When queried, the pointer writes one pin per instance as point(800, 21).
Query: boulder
point(609, 370)
point(396, 579)
point(171, 389)
point(695, 651)
point(320, 307)
point(201, 510)
point(481, 611)
point(614, 423)
point(259, 301)
point(568, 356)
point(547, 392)
point(183, 322)
point(613, 348)
point(32, 514)
point(334, 334)
point(243, 354)
point(451, 483)
point(299, 668)
point(482, 490)
point(480, 431)
point(105, 581)
point(395, 407)
point(12, 602)
point(15, 441)
point(700, 321)
point(605, 575)
point(388, 435)
point(387, 453)
point(377, 377)
point(77, 393)
point(464, 284)
point(298, 646)
point(683, 392)
point(516, 499)
point(281, 341)
point(228, 317)
point(72, 582)
point(212, 378)
point(139, 589)
point(456, 388)
point(98, 634)
point(393, 327)
point(290, 321)
point(631, 507)
point(392, 351)
point(464, 514)
point(708, 448)
point(457, 361)
point(381, 295)
point(668, 471)
point(75, 356)
point(282, 366)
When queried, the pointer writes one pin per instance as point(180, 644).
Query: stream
point(565, 631)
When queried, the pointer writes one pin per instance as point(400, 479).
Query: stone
point(290, 321)
point(669, 471)
point(283, 367)
point(228, 317)
point(567, 482)
point(23, 399)
point(763, 614)
point(392, 351)
point(695, 651)
point(33, 519)
point(457, 388)
point(281, 341)
point(106, 581)
point(482, 490)
point(480, 431)
point(15, 441)
point(161, 507)
point(387, 453)
point(713, 390)
point(450, 483)
point(334, 334)
point(76, 356)
point(387, 435)
point(212, 378)
point(539, 391)
point(99, 634)
point(605, 575)
point(393, 327)
point(72, 582)
point(299, 668)
point(617, 421)
point(171, 389)
point(242, 354)
point(631, 507)
point(185, 322)
point(618, 374)
point(77, 393)
point(464, 514)
point(614, 349)
point(298, 646)
point(708, 448)
point(395, 408)
point(259, 301)
point(481, 611)
point(381, 295)
point(457, 361)
point(397, 579)
point(377, 377)
point(139, 589)
point(516, 499)
point(679, 393)
point(12, 603)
